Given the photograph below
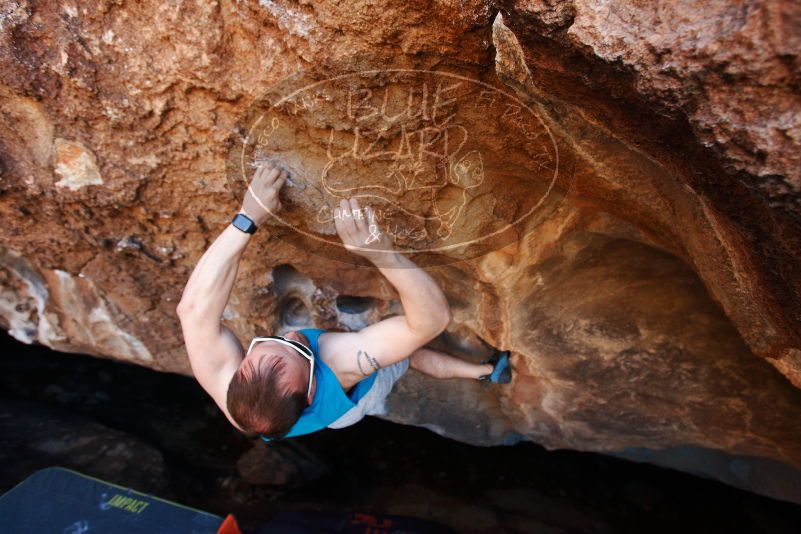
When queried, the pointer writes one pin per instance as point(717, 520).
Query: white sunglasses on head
point(300, 347)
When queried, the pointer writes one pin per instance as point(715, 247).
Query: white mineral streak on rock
point(12, 14)
point(18, 308)
point(151, 160)
point(18, 317)
point(289, 19)
point(75, 165)
point(63, 312)
point(510, 60)
point(92, 322)
point(71, 11)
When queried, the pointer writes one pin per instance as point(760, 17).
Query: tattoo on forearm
point(372, 361)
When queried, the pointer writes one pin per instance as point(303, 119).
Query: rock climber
point(310, 379)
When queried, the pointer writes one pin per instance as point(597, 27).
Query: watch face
point(244, 223)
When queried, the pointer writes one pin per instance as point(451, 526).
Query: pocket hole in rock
point(355, 305)
point(294, 312)
point(355, 313)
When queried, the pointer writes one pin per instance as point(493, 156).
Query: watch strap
point(244, 223)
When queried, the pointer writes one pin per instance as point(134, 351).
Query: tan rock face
point(610, 193)
point(404, 141)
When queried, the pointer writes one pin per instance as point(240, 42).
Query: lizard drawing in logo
point(428, 177)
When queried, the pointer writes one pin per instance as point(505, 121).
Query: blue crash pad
point(64, 501)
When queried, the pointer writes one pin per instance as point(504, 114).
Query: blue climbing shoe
point(501, 370)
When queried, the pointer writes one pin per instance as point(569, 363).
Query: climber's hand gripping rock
point(261, 198)
point(358, 228)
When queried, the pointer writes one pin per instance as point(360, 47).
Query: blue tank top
point(330, 401)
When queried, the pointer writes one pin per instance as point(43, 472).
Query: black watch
point(244, 223)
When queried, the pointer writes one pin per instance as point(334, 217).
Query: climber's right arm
point(209, 287)
point(214, 351)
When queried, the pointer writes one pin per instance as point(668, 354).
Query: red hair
point(265, 400)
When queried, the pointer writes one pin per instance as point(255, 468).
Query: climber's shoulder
point(331, 350)
point(214, 355)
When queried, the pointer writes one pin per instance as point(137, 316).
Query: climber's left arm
point(426, 313)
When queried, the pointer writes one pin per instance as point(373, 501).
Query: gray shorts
point(374, 402)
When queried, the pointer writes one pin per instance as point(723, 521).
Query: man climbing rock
point(310, 379)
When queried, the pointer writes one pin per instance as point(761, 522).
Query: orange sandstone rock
point(632, 172)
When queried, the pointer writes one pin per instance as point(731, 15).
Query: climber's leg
point(440, 365)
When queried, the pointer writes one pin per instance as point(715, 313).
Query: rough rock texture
point(647, 154)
